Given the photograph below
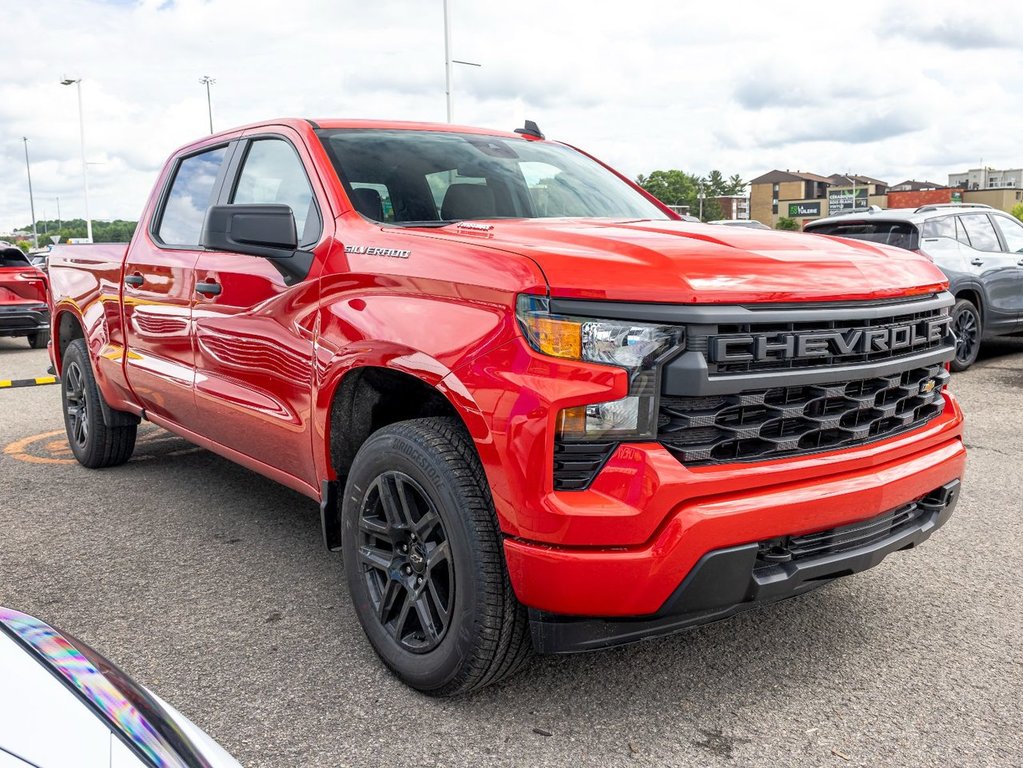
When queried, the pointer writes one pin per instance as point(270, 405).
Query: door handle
point(208, 289)
point(134, 280)
point(977, 262)
point(1019, 263)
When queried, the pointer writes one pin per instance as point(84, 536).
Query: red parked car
point(23, 306)
point(538, 410)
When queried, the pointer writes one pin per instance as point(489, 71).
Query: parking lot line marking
point(37, 381)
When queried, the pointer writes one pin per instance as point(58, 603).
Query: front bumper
point(23, 319)
point(733, 579)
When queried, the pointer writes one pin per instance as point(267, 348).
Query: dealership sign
point(843, 200)
point(801, 210)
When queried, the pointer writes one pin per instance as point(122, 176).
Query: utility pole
point(85, 166)
point(58, 214)
point(448, 61)
point(31, 199)
point(208, 81)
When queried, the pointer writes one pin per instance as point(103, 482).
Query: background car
point(748, 223)
point(66, 705)
point(23, 307)
point(979, 248)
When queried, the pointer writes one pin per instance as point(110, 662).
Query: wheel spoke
point(426, 620)
point(425, 524)
point(438, 604)
point(437, 555)
point(399, 623)
point(375, 526)
point(388, 598)
point(375, 558)
point(390, 502)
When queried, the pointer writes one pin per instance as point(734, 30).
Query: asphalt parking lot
point(210, 585)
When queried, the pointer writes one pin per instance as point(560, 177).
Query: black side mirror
point(257, 230)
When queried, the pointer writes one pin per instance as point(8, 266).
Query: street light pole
point(448, 61)
point(208, 81)
point(85, 167)
point(58, 214)
point(31, 199)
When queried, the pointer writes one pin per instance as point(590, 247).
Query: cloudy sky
point(893, 90)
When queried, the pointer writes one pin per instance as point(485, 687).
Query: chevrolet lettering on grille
point(823, 344)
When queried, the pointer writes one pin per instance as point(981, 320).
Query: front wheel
point(966, 325)
point(424, 560)
point(92, 442)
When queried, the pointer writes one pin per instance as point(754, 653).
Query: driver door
point(253, 322)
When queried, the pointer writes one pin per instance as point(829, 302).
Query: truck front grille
point(847, 329)
point(789, 421)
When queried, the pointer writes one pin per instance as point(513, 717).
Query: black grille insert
point(788, 549)
point(576, 464)
point(788, 421)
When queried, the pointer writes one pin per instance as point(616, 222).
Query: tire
point(966, 324)
point(93, 443)
point(448, 626)
point(38, 339)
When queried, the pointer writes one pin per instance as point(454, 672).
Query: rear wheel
point(424, 561)
point(38, 339)
point(966, 325)
point(92, 442)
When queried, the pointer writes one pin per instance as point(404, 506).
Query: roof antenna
point(530, 129)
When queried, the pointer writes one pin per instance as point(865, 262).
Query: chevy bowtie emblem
point(928, 386)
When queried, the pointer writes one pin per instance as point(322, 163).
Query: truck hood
point(679, 262)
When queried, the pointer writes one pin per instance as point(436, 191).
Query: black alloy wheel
point(966, 326)
point(94, 442)
point(405, 558)
point(424, 559)
point(76, 403)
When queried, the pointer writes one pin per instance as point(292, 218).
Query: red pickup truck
point(537, 410)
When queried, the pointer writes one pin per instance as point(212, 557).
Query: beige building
point(772, 193)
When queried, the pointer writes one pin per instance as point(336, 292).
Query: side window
point(961, 235)
point(190, 195)
point(982, 234)
point(1012, 231)
point(273, 173)
point(943, 227)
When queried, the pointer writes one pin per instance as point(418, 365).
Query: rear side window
point(12, 257)
point(943, 227)
point(1012, 232)
point(982, 233)
point(897, 233)
point(273, 173)
point(191, 193)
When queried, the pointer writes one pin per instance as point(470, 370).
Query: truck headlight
point(639, 348)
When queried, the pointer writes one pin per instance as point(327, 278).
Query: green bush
point(1017, 211)
point(786, 223)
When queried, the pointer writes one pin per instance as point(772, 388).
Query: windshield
point(901, 234)
point(433, 178)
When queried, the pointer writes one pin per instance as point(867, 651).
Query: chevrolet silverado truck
point(538, 411)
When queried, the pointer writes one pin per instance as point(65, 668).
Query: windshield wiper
point(432, 223)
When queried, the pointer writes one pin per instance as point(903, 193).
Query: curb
point(38, 381)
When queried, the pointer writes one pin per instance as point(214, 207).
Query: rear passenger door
point(253, 321)
point(997, 271)
point(1010, 230)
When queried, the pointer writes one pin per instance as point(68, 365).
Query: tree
point(784, 222)
point(679, 188)
point(672, 187)
point(116, 231)
point(1017, 211)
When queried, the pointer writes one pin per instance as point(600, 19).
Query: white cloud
point(887, 89)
